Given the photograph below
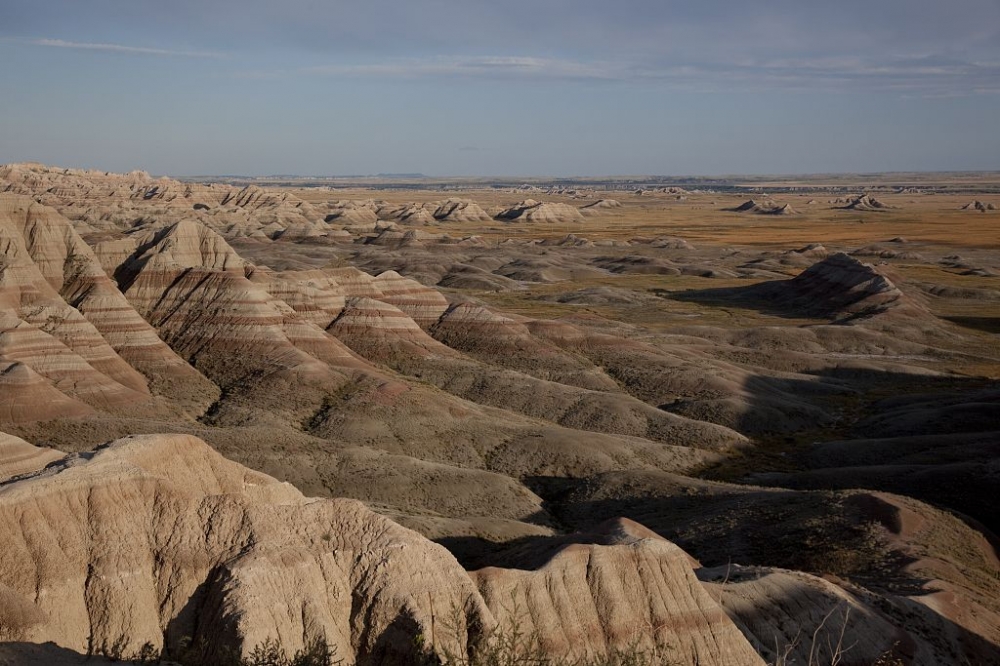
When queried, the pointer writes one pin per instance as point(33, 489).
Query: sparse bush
point(317, 652)
point(510, 644)
point(268, 653)
point(147, 655)
point(889, 658)
point(513, 644)
point(835, 651)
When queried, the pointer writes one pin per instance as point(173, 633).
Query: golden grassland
point(926, 221)
point(704, 218)
point(657, 313)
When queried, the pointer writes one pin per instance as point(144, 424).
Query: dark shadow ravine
point(932, 438)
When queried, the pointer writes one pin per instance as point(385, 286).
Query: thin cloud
point(122, 48)
point(928, 75)
point(920, 75)
point(476, 67)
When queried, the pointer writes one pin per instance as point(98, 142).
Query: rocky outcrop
point(214, 310)
point(460, 211)
point(355, 216)
point(423, 304)
point(315, 295)
point(413, 215)
point(158, 539)
point(398, 239)
point(472, 321)
point(26, 396)
point(319, 295)
point(979, 206)
point(72, 268)
point(808, 618)
point(41, 255)
point(82, 187)
point(367, 317)
point(865, 202)
point(101, 201)
point(600, 206)
point(773, 606)
point(764, 208)
point(839, 285)
point(65, 322)
point(18, 457)
point(635, 592)
point(530, 210)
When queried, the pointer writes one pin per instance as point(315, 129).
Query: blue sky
point(461, 87)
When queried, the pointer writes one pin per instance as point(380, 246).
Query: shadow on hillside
point(896, 408)
point(16, 653)
point(817, 532)
point(814, 530)
point(800, 627)
point(758, 297)
point(987, 324)
point(808, 531)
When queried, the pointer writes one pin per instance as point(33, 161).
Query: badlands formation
point(410, 424)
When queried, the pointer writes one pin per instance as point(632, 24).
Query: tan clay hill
point(866, 202)
point(17, 457)
point(530, 210)
point(840, 285)
point(460, 210)
point(558, 418)
point(764, 208)
point(179, 543)
point(600, 206)
point(979, 206)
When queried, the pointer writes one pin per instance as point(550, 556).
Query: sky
point(502, 88)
